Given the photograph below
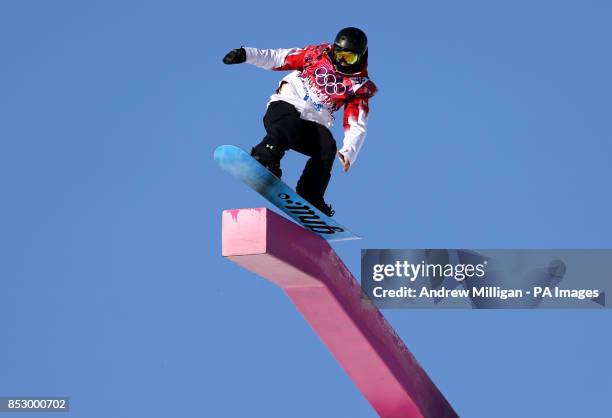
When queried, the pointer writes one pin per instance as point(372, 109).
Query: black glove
point(235, 56)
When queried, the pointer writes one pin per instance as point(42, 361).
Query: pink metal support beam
point(329, 297)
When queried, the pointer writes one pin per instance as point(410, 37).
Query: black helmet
point(351, 43)
point(352, 39)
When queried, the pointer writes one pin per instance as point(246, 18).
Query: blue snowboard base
point(245, 168)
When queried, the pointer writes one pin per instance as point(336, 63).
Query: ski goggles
point(349, 57)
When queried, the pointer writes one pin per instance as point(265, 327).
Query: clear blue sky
point(491, 129)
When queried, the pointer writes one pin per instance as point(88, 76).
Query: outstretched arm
point(269, 59)
point(355, 121)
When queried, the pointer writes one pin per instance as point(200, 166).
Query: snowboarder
point(300, 112)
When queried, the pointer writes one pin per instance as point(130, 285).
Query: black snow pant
point(286, 130)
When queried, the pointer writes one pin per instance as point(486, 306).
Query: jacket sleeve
point(356, 113)
point(276, 59)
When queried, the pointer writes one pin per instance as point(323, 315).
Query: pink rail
point(329, 297)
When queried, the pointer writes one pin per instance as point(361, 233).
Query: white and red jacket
point(317, 90)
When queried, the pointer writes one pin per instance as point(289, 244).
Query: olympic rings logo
point(329, 82)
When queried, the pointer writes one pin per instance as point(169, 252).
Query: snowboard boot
point(326, 209)
point(322, 206)
point(312, 184)
point(272, 167)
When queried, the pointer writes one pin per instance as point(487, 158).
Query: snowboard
point(245, 168)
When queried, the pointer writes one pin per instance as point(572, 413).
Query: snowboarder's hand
point(345, 162)
point(235, 56)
